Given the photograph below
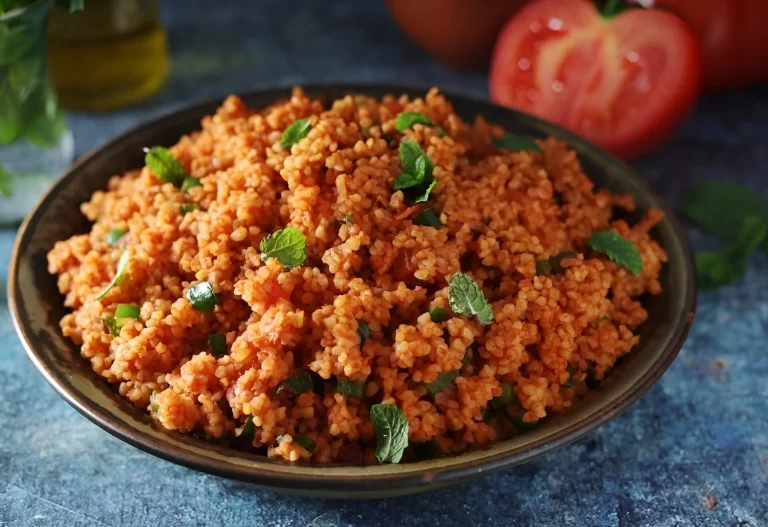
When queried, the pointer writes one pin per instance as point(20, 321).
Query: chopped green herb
point(348, 219)
point(218, 344)
point(114, 236)
point(409, 153)
point(295, 133)
point(351, 388)
point(122, 264)
point(427, 450)
point(417, 173)
point(618, 249)
point(542, 267)
point(438, 314)
point(363, 331)
point(555, 264)
point(202, 297)
point(516, 142)
point(190, 182)
point(466, 298)
point(506, 398)
point(443, 381)
point(427, 218)
point(164, 165)
point(188, 207)
point(287, 245)
point(421, 194)
point(727, 265)
point(112, 325)
point(391, 428)
point(299, 383)
point(720, 207)
point(6, 183)
point(127, 311)
point(415, 176)
point(308, 444)
point(569, 382)
point(522, 426)
point(249, 428)
point(406, 120)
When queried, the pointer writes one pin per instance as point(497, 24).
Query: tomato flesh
point(625, 83)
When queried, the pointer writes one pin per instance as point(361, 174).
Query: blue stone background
point(701, 431)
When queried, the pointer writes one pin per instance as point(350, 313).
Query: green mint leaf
point(427, 218)
point(122, 264)
point(363, 331)
point(406, 120)
point(288, 245)
point(421, 193)
point(351, 388)
point(15, 42)
point(466, 298)
point(249, 428)
point(409, 153)
point(438, 314)
point(190, 182)
point(391, 428)
point(165, 166)
point(726, 266)
point(218, 344)
point(720, 207)
point(555, 261)
point(618, 249)
point(6, 183)
point(404, 181)
point(516, 142)
point(10, 117)
point(295, 133)
point(114, 236)
point(506, 398)
point(202, 297)
point(443, 381)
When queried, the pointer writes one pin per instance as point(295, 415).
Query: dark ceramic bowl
point(37, 307)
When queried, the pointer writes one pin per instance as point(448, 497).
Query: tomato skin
point(732, 37)
point(625, 83)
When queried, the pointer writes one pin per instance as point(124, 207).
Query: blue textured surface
point(701, 431)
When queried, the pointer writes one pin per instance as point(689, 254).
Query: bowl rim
point(306, 479)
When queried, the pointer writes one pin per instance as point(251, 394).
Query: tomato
point(625, 83)
point(731, 36)
point(457, 32)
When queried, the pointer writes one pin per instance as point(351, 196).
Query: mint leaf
point(295, 133)
point(618, 249)
point(249, 428)
point(466, 298)
point(427, 218)
point(190, 182)
point(720, 207)
point(10, 117)
point(443, 381)
point(288, 245)
point(405, 181)
point(308, 444)
point(6, 183)
point(114, 236)
point(165, 166)
point(516, 142)
point(391, 428)
point(542, 267)
point(299, 383)
point(351, 388)
point(409, 153)
point(421, 193)
point(406, 120)
point(122, 264)
point(15, 42)
point(726, 266)
point(23, 77)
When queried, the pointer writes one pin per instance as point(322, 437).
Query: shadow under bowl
point(37, 306)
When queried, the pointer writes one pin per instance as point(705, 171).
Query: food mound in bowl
point(371, 283)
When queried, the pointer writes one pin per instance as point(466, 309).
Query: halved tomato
point(625, 82)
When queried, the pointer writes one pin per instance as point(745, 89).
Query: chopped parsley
point(122, 264)
point(466, 298)
point(618, 249)
point(391, 428)
point(165, 166)
point(297, 131)
point(287, 245)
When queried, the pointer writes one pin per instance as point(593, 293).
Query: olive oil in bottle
point(111, 54)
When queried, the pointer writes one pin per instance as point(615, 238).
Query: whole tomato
point(459, 33)
point(734, 46)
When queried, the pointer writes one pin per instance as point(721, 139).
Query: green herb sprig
point(406, 120)
point(466, 298)
point(288, 246)
point(165, 166)
point(391, 428)
point(618, 249)
point(297, 131)
point(416, 180)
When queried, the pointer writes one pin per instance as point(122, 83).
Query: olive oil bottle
point(113, 53)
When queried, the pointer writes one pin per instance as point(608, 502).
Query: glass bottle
point(111, 54)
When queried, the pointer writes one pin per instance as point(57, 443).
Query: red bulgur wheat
point(501, 211)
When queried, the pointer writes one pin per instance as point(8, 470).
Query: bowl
point(37, 306)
